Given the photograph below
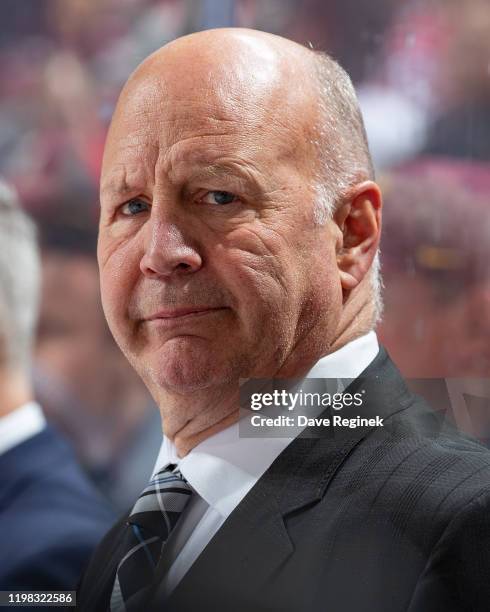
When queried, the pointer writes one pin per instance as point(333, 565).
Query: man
point(50, 518)
point(238, 238)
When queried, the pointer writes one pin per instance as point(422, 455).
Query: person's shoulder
point(441, 503)
point(46, 466)
point(432, 440)
point(424, 467)
point(51, 516)
point(416, 457)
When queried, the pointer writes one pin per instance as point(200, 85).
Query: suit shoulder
point(417, 476)
point(431, 446)
point(51, 518)
point(457, 568)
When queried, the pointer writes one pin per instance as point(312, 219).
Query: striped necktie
point(149, 525)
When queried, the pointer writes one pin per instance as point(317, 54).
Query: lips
point(170, 314)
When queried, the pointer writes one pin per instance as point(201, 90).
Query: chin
point(180, 380)
point(187, 366)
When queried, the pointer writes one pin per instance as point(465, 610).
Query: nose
point(168, 252)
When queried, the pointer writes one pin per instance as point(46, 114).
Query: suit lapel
point(96, 584)
point(250, 546)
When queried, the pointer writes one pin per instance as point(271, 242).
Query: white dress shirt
point(223, 468)
point(20, 425)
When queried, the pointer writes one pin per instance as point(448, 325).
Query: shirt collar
point(21, 424)
point(223, 468)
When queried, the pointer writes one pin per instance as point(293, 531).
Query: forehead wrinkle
point(184, 162)
point(240, 173)
point(123, 180)
point(240, 141)
point(179, 165)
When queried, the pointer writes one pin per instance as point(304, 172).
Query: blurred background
point(422, 71)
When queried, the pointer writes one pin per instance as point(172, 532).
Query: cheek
point(262, 273)
point(317, 281)
point(119, 271)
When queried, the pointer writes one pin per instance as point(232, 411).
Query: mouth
point(175, 315)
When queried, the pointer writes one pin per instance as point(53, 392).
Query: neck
point(15, 389)
point(189, 419)
point(357, 319)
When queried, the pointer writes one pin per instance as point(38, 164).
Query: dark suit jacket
point(387, 519)
point(50, 517)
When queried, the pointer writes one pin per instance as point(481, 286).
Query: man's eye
point(219, 197)
point(134, 207)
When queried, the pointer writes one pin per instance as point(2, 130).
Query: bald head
point(246, 66)
point(244, 55)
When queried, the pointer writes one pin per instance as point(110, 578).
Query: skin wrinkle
point(286, 286)
point(124, 187)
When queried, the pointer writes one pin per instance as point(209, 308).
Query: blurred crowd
point(422, 70)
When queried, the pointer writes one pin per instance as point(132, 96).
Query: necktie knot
point(161, 503)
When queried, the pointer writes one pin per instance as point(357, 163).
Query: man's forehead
point(185, 141)
point(164, 99)
point(193, 128)
point(201, 132)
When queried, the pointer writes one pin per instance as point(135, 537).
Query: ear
point(359, 220)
